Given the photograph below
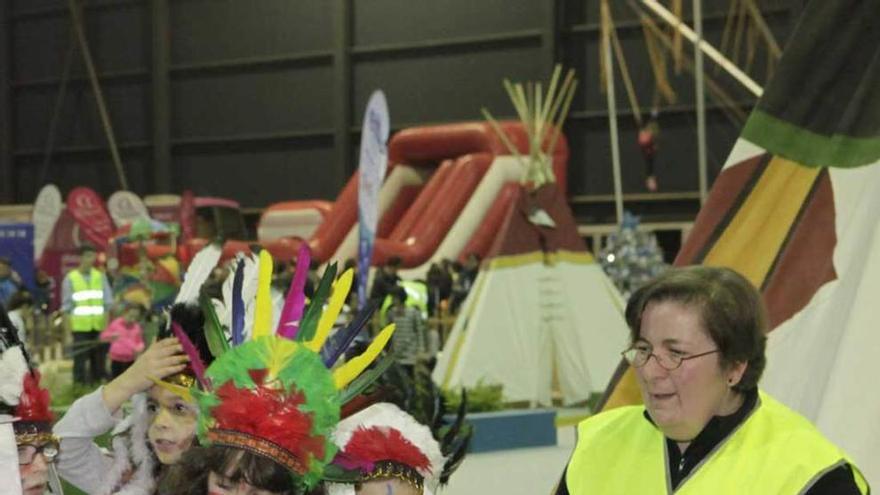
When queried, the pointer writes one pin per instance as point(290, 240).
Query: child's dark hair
point(190, 474)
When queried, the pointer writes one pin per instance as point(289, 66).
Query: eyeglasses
point(27, 453)
point(638, 356)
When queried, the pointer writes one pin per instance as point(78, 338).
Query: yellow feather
point(280, 352)
point(350, 370)
point(175, 389)
point(263, 312)
point(340, 291)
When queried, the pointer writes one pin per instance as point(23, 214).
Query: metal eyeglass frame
point(660, 359)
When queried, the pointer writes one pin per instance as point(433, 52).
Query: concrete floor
point(532, 471)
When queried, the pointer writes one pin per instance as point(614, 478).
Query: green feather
point(366, 378)
point(214, 333)
point(302, 370)
point(309, 322)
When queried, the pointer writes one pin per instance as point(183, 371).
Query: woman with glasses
point(697, 346)
point(25, 421)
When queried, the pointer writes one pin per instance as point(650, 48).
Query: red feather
point(266, 413)
point(386, 444)
point(34, 402)
point(195, 360)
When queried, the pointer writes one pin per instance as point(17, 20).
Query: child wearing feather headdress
point(162, 422)
point(272, 401)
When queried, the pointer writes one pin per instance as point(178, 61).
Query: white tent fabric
point(822, 361)
point(523, 318)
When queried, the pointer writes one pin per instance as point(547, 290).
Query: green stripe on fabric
point(809, 148)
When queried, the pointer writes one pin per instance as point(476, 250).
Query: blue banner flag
point(373, 162)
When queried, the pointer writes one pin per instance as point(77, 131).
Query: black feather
point(346, 336)
point(456, 452)
point(192, 321)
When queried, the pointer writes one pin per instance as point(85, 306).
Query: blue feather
point(238, 305)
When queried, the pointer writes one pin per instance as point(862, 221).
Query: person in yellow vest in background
point(698, 338)
point(86, 299)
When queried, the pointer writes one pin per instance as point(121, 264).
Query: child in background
point(126, 338)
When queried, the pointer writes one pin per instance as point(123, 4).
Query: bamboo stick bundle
point(542, 114)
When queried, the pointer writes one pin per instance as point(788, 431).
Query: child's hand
point(162, 359)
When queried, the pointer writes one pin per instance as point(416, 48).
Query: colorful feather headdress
point(383, 441)
point(25, 417)
point(274, 394)
point(187, 322)
point(20, 394)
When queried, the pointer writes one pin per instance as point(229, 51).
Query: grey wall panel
point(395, 21)
point(95, 172)
point(118, 39)
point(208, 30)
point(258, 179)
point(29, 5)
point(444, 87)
point(253, 89)
point(79, 123)
point(40, 46)
point(263, 102)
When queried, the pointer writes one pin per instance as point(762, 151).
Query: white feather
point(198, 271)
point(248, 292)
point(13, 367)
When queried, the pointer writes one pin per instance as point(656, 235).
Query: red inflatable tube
point(452, 196)
point(404, 200)
point(420, 207)
point(481, 241)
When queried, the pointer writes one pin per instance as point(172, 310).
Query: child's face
point(132, 315)
point(172, 424)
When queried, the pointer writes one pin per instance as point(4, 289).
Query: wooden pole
point(612, 111)
point(701, 103)
point(706, 48)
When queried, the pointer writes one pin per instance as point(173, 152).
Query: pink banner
point(90, 213)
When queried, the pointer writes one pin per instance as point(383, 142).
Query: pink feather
point(195, 359)
point(291, 313)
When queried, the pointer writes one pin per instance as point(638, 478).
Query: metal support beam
point(342, 91)
point(549, 37)
point(7, 190)
point(161, 98)
point(701, 101)
point(612, 112)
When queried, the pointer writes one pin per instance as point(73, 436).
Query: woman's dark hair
point(730, 308)
point(190, 474)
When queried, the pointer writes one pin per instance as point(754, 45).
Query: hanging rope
point(677, 51)
point(609, 35)
point(79, 28)
point(657, 58)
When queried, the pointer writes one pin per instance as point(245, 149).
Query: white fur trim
point(386, 415)
point(13, 367)
point(132, 453)
point(9, 460)
point(339, 489)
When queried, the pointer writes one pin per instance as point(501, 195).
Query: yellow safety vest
point(774, 451)
point(88, 301)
